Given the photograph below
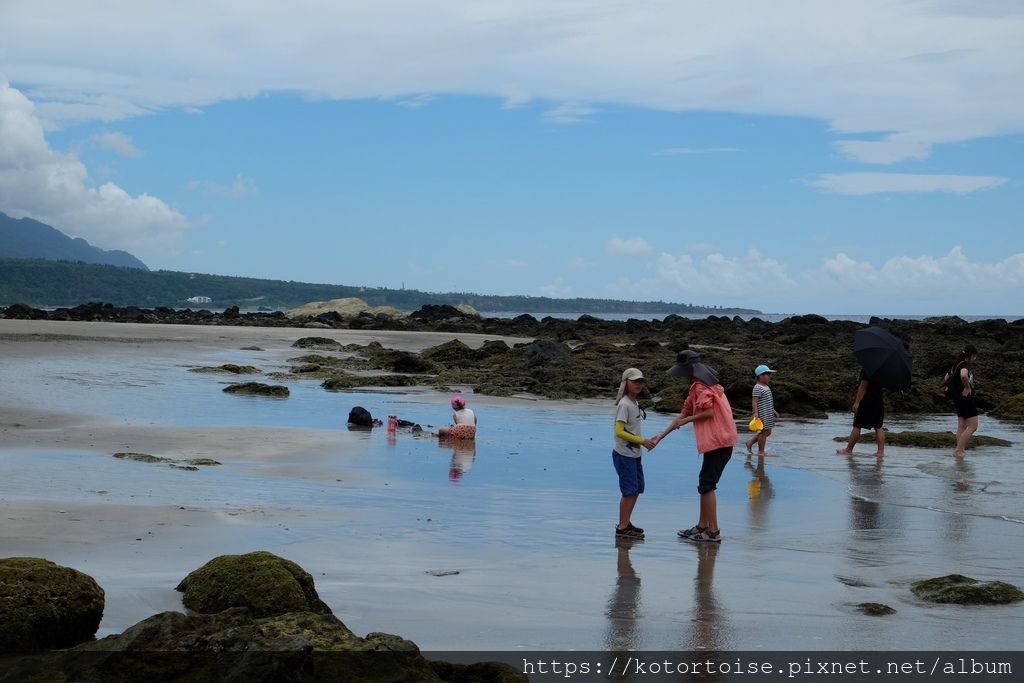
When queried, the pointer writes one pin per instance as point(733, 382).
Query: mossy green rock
point(963, 590)
point(265, 583)
point(257, 389)
point(44, 605)
point(875, 609)
point(1011, 409)
point(231, 369)
point(926, 439)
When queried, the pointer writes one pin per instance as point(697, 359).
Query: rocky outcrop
point(44, 605)
point(342, 309)
point(259, 620)
point(926, 439)
point(263, 582)
point(963, 590)
point(230, 369)
point(258, 389)
point(817, 371)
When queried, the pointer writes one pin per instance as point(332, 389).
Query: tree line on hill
point(44, 283)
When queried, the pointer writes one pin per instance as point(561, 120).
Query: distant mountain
point(29, 239)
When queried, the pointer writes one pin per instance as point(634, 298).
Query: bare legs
point(965, 428)
point(708, 511)
point(626, 506)
point(761, 439)
point(855, 435)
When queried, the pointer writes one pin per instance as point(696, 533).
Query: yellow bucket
point(756, 425)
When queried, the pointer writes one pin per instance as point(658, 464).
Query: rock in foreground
point(963, 590)
point(258, 389)
point(44, 605)
point(263, 582)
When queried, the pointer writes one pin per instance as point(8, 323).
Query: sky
point(792, 157)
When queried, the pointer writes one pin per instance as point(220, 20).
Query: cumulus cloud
point(916, 73)
point(877, 183)
point(926, 284)
point(632, 247)
point(241, 187)
point(556, 290)
point(53, 187)
point(117, 142)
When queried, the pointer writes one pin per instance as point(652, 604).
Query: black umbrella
point(884, 358)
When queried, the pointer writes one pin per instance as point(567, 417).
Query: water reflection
point(463, 455)
point(759, 492)
point(958, 524)
point(874, 526)
point(709, 630)
point(624, 604)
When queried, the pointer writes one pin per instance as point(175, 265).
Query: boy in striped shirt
point(763, 406)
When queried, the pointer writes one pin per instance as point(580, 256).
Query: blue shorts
point(631, 474)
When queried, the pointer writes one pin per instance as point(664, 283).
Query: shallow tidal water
point(525, 517)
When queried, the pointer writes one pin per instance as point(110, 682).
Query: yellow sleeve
point(620, 431)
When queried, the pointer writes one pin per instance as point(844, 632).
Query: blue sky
point(812, 158)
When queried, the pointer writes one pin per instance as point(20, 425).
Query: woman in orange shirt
point(707, 407)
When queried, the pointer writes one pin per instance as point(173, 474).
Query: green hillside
point(58, 283)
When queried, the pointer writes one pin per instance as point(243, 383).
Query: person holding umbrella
point(885, 362)
point(868, 413)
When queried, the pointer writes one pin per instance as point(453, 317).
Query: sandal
point(687, 533)
point(708, 536)
point(629, 532)
point(635, 528)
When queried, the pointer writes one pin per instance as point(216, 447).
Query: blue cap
point(761, 369)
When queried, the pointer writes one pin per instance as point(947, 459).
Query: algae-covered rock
point(230, 369)
point(318, 343)
point(265, 583)
point(963, 590)
point(140, 457)
point(258, 389)
point(44, 605)
point(875, 609)
point(927, 439)
point(1011, 409)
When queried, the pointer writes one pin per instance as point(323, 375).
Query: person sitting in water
point(465, 421)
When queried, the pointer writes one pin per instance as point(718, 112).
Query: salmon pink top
point(720, 430)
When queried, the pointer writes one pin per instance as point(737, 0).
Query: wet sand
point(524, 517)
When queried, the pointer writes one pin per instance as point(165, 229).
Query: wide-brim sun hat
point(688, 364)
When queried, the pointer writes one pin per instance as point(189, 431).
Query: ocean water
point(525, 517)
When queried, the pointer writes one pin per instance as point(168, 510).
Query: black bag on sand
point(360, 416)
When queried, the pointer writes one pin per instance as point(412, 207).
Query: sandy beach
point(524, 517)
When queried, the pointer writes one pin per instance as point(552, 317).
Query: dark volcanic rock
point(317, 343)
point(258, 389)
point(963, 590)
point(261, 581)
point(44, 605)
point(231, 369)
point(875, 609)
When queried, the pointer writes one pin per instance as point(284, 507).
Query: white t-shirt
point(626, 410)
point(465, 416)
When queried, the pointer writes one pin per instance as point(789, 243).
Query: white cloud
point(117, 142)
point(678, 151)
point(53, 187)
point(918, 73)
point(557, 289)
point(944, 283)
point(876, 183)
point(569, 112)
point(840, 284)
point(241, 187)
point(635, 246)
point(580, 263)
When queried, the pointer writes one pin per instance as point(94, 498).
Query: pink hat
point(458, 403)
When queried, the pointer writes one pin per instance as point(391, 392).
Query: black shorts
point(870, 415)
point(711, 469)
point(965, 406)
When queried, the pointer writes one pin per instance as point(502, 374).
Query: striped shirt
point(765, 404)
